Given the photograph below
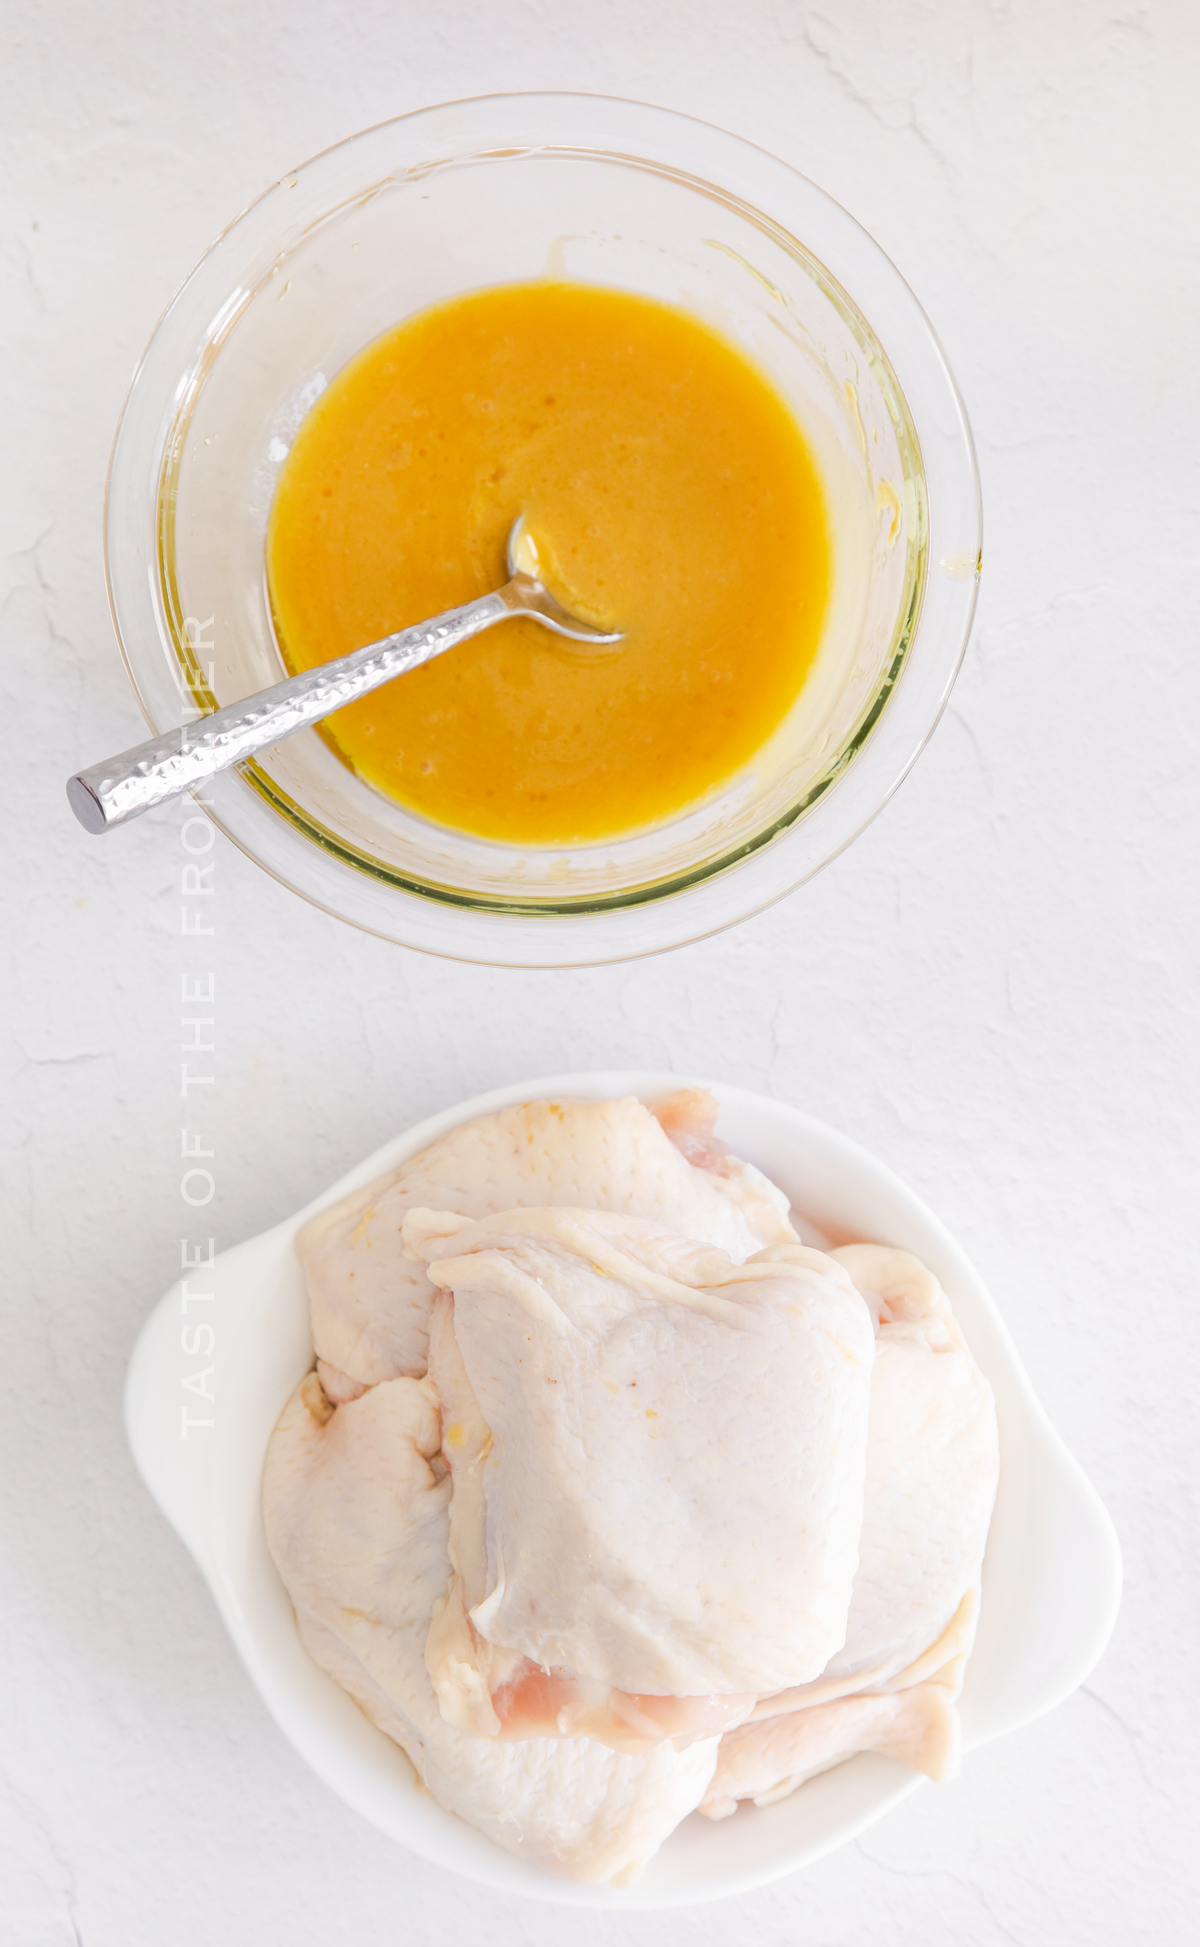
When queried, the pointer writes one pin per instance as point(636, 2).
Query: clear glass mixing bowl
point(615, 193)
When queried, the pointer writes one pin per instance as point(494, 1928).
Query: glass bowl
point(609, 192)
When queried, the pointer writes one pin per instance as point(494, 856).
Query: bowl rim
point(1048, 1629)
point(896, 719)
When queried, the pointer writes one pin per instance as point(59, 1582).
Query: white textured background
point(995, 989)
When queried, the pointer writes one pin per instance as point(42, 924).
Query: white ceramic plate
point(1052, 1576)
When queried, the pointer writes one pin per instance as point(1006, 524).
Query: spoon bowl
point(527, 594)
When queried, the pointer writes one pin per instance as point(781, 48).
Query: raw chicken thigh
point(675, 1449)
point(355, 1502)
point(609, 1500)
point(370, 1301)
point(932, 1469)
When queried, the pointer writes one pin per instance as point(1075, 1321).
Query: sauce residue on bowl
point(671, 495)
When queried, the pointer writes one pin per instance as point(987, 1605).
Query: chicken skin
point(370, 1301)
point(355, 1499)
point(932, 1469)
point(657, 1455)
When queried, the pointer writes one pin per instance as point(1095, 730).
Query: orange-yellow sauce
point(670, 493)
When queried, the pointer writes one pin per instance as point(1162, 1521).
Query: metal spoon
point(109, 794)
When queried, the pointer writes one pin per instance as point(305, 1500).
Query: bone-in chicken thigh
point(932, 1470)
point(370, 1301)
point(668, 1493)
point(355, 1502)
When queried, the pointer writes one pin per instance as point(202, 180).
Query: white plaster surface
point(995, 989)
